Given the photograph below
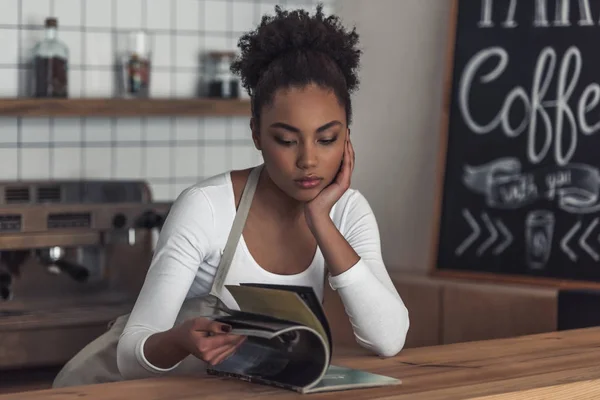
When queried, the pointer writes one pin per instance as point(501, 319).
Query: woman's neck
point(276, 200)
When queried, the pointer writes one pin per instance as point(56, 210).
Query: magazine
point(288, 342)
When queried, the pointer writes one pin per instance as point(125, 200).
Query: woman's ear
point(255, 135)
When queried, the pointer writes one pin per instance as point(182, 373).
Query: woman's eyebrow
point(291, 128)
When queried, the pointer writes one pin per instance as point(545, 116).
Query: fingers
point(347, 166)
point(206, 325)
point(352, 154)
point(211, 340)
point(217, 327)
point(225, 355)
point(210, 347)
point(211, 357)
point(208, 343)
point(223, 352)
point(215, 348)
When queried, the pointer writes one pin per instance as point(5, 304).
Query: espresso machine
point(73, 257)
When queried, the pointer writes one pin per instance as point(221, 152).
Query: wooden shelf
point(122, 107)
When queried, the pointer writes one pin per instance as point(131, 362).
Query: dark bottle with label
point(50, 64)
point(221, 81)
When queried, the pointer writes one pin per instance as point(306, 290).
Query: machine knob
point(119, 220)
point(53, 260)
point(5, 284)
point(5, 293)
point(75, 271)
point(150, 219)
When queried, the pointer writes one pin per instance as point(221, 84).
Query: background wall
point(397, 110)
point(171, 153)
point(397, 119)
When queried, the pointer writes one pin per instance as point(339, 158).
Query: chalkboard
point(520, 184)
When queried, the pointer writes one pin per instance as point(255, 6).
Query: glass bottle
point(50, 64)
point(136, 66)
point(221, 83)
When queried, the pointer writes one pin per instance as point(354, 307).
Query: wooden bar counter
point(555, 365)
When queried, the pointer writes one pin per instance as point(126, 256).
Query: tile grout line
point(229, 120)
point(83, 121)
point(96, 29)
point(103, 68)
point(201, 121)
point(144, 120)
point(24, 84)
point(131, 144)
point(113, 120)
point(51, 120)
point(51, 148)
point(172, 165)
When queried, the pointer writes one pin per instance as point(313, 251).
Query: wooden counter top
point(544, 366)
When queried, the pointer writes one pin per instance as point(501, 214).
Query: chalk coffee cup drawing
point(539, 229)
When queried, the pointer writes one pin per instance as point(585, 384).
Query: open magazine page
point(308, 296)
point(293, 358)
point(342, 378)
point(282, 304)
point(286, 343)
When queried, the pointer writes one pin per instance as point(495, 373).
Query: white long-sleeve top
point(189, 249)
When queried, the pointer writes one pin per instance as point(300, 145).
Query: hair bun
point(296, 32)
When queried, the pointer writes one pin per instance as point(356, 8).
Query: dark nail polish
point(226, 328)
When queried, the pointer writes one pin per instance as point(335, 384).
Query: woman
point(304, 220)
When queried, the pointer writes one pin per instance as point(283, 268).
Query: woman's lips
point(308, 183)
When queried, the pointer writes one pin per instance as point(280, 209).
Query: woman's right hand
point(208, 340)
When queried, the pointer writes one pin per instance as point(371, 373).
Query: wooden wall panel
point(423, 298)
point(476, 311)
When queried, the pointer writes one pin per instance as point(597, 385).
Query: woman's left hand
point(321, 205)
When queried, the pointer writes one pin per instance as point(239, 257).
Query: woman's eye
point(327, 141)
point(284, 142)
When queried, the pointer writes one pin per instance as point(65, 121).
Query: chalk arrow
point(493, 235)
point(565, 240)
point(583, 238)
point(508, 238)
point(472, 237)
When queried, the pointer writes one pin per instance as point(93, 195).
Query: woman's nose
point(307, 158)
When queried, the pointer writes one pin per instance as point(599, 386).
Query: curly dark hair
point(293, 49)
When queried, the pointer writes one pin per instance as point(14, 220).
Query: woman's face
point(302, 136)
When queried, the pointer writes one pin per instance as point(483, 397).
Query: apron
point(97, 362)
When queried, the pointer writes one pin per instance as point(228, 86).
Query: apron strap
point(236, 229)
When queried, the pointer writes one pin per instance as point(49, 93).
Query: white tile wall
point(98, 13)
point(9, 129)
point(187, 15)
point(10, 12)
point(33, 11)
point(244, 17)
point(159, 15)
point(128, 14)
point(216, 20)
point(170, 153)
point(68, 12)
